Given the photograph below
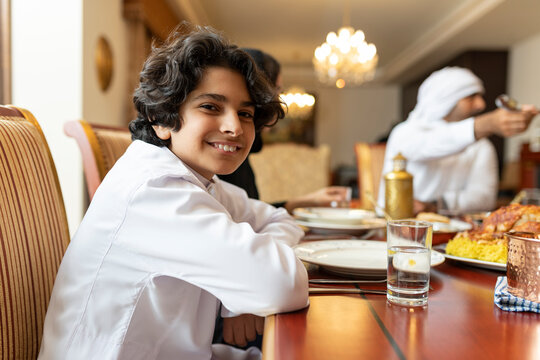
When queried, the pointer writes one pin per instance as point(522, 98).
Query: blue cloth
point(506, 301)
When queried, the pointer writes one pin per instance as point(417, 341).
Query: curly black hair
point(175, 69)
point(266, 62)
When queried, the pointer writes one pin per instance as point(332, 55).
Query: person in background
point(165, 244)
point(444, 140)
point(244, 176)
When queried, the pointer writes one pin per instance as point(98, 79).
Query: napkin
point(506, 301)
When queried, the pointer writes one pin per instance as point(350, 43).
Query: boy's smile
point(217, 128)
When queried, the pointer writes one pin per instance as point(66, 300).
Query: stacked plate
point(338, 220)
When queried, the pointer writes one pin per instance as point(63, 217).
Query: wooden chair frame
point(94, 163)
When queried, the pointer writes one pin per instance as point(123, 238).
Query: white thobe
point(156, 253)
point(446, 163)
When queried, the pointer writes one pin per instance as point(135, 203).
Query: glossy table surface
point(460, 322)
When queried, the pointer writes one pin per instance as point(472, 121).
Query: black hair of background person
point(244, 176)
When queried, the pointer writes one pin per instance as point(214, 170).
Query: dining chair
point(33, 232)
point(369, 161)
point(287, 170)
point(101, 146)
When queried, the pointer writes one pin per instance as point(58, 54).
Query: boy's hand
point(239, 330)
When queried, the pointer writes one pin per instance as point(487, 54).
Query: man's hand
point(420, 206)
point(504, 122)
point(322, 197)
point(239, 330)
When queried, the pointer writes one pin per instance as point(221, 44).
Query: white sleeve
point(263, 217)
point(421, 143)
point(480, 192)
point(182, 231)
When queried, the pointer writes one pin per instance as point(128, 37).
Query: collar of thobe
point(182, 168)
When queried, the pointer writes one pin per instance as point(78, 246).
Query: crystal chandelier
point(345, 58)
point(299, 103)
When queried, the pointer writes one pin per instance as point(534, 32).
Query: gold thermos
point(398, 193)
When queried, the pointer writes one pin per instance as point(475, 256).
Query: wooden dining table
point(460, 321)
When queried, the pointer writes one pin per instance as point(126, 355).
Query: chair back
point(101, 146)
point(369, 161)
point(33, 232)
point(287, 170)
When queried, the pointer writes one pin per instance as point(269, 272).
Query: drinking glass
point(346, 203)
point(409, 255)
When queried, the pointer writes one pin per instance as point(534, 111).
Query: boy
point(165, 242)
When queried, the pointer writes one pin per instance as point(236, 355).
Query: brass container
point(523, 267)
point(398, 193)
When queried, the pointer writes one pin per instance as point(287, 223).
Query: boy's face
point(217, 124)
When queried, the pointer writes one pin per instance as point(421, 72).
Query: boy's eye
point(246, 114)
point(208, 106)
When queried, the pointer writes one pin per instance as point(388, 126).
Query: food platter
point(472, 262)
point(351, 258)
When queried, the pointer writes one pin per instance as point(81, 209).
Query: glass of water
point(409, 256)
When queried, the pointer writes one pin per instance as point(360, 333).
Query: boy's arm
point(263, 218)
point(182, 231)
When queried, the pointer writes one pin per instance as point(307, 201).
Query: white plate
point(473, 262)
point(328, 228)
point(453, 226)
point(365, 258)
point(334, 215)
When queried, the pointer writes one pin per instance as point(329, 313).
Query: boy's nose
point(231, 124)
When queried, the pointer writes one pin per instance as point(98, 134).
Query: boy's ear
point(162, 132)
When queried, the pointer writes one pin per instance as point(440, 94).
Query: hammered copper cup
point(523, 268)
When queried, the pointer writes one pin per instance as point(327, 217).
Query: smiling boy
point(165, 244)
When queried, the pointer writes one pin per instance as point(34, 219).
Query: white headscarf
point(441, 91)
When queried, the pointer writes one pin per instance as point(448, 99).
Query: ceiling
point(413, 37)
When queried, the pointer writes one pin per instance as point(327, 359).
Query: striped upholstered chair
point(100, 147)
point(287, 170)
point(33, 232)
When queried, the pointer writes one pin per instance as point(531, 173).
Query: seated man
point(444, 141)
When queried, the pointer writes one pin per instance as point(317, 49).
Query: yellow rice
point(496, 251)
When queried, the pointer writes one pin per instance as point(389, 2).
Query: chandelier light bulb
point(357, 38)
point(299, 103)
point(319, 54)
point(331, 38)
point(340, 83)
point(372, 50)
point(345, 33)
point(326, 49)
point(345, 58)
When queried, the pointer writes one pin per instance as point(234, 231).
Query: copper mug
point(523, 267)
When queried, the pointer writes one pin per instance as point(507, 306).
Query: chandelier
point(345, 58)
point(299, 103)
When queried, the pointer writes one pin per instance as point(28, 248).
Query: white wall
point(348, 115)
point(524, 85)
point(55, 78)
point(104, 18)
point(46, 79)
